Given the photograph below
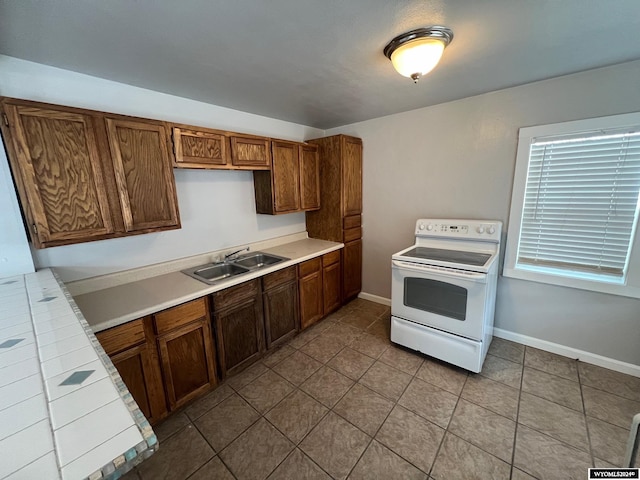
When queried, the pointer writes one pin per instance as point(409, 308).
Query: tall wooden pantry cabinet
point(340, 216)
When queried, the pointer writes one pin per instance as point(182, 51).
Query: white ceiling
point(318, 63)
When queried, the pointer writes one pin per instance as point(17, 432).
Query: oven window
point(436, 297)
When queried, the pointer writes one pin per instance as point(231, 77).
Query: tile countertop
point(57, 387)
point(114, 306)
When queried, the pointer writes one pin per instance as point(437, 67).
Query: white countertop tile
point(53, 384)
point(82, 401)
point(18, 371)
point(17, 354)
point(44, 467)
point(74, 360)
point(22, 415)
point(15, 330)
point(59, 334)
point(24, 447)
point(19, 391)
point(64, 346)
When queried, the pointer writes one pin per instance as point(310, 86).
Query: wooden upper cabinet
point(286, 175)
point(200, 149)
point(143, 174)
point(309, 178)
point(56, 163)
point(252, 153)
point(352, 176)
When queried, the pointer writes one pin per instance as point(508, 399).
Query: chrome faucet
point(233, 254)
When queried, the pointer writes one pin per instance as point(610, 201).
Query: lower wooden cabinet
point(331, 276)
point(280, 302)
point(132, 350)
point(239, 326)
point(310, 289)
point(351, 270)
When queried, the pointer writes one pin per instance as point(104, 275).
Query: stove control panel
point(487, 230)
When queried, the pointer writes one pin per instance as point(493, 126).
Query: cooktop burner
point(452, 256)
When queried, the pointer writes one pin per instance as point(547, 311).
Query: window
point(574, 209)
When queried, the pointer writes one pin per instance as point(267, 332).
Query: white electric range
point(443, 290)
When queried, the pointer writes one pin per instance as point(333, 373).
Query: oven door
point(450, 300)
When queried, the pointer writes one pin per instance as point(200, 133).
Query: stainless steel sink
point(213, 273)
point(258, 260)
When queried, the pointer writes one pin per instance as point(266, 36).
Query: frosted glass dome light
point(417, 52)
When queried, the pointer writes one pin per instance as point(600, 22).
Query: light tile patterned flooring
point(340, 400)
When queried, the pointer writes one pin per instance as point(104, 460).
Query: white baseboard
point(375, 298)
point(587, 357)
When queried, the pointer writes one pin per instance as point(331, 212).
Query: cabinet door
point(309, 178)
point(240, 335)
point(143, 174)
point(331, 292)
point(187, 358)
point(311, 308)
point(59, 174)
point(252, 153)
point(286, 176)
point(281, 313)
point(351, 176)
point(351, 269)
point(139, 371)
point(200, 149)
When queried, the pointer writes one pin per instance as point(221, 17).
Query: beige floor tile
point(180, 456)
point(495, 396)
point(378, 462)
point(214, 469)
point(296, 415)
point(305, 337)
point(503, 371)
point(364, 408)
point(266, 391)
point(246, 376)
point(173, 424)
point(278, 355)
point(322, 348)
point(485, 429)
point(351, 363)
point(386, 380)
point(405, 360)
point(342, 333)
point(545, 457)
point(520, 475)
point(359, 319)
point(335, 445)
point(370, 345)
point(298, 466)
point(257, 452)
point(380, 328)
point(224, 422)
point(554, 420)
point(554, 388)
point(210, 400)
point(373, 308)
point(412, 437)
point(610, 408)
point(613, 382)
point(608, 442)
point(551, 363)
point(443, 375)
point(297, 367)
point(461, 460)
point(327, 386)
point(429, 401)
point(508, 350)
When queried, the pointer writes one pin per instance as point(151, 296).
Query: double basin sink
point(213, 273)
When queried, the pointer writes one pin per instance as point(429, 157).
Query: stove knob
point(429, 227)
point(491, 230)
point(480, 229)
point(421, 226)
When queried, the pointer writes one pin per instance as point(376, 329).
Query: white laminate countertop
point(114, 306)
point(64, 410)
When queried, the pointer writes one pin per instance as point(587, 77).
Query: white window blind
point(581, 202)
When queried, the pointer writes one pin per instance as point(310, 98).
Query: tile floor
point(340, 400)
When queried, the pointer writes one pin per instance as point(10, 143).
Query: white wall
point(217, 208)
point(457, 160)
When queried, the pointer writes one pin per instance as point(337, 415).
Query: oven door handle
point(471, 277)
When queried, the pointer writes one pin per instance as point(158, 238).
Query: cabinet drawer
point(352, 221)
point(181, 315)
point(234, 295)
point(310, 266)
point(352, 234)
point(278, 278)
point(330, 258)
point(120, 338)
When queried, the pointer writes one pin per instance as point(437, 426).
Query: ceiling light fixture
point(417, 52)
